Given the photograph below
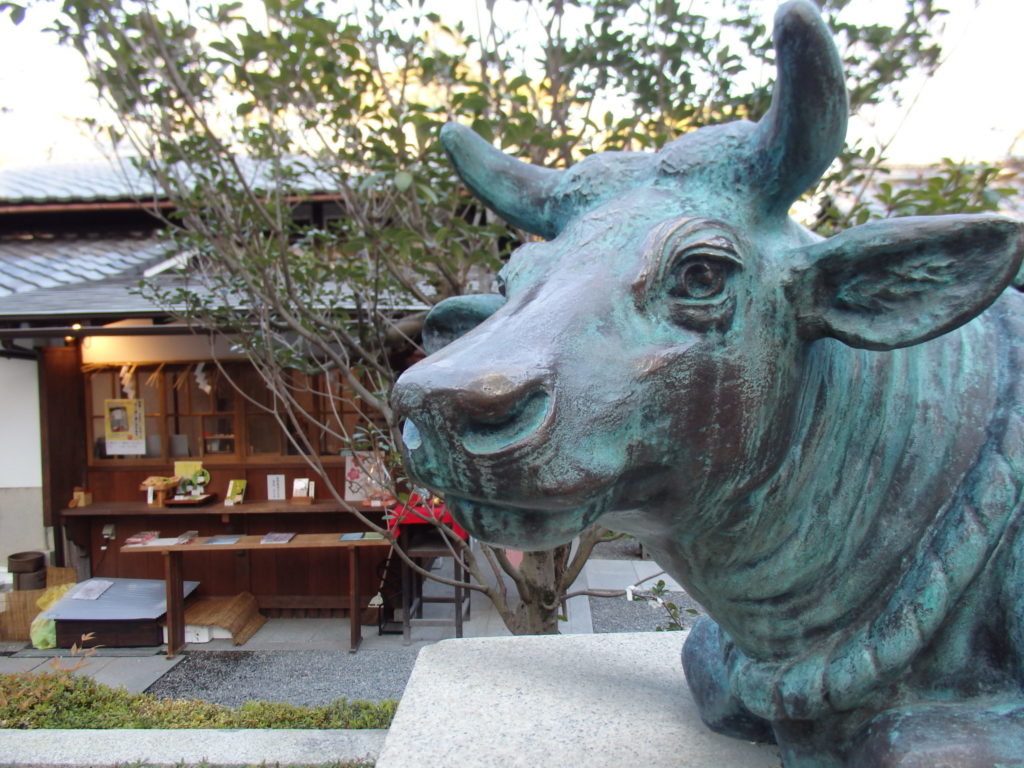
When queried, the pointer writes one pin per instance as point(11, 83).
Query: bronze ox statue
point(823, 440)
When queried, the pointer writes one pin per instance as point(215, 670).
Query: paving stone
point(600, 701)
point(212, 747)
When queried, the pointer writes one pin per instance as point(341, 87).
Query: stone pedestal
point(583, 701)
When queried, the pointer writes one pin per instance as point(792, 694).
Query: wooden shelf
point(135, 508)
point(300, 541)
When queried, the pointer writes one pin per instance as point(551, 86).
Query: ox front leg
point(962, 735)
point(709, 683)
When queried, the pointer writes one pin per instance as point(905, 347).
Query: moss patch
point(63, 700)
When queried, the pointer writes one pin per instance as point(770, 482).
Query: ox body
point(822, 440)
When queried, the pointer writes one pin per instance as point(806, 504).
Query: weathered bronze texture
point(823, 440)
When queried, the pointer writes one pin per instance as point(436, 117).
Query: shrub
point(63, 700)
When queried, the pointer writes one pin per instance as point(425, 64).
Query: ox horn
point(519, 192)
point(805, 126)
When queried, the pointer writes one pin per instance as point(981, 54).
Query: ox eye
point(700, 278)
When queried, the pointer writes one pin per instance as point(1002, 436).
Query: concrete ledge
point(587, 701)
point(215, 746)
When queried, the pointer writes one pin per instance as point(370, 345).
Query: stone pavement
point(135, 672)
point(137, 669)
point(214, 747)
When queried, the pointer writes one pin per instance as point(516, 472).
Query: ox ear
point(456, 317)
point(898, 282)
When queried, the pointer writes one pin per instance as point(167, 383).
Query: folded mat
point(21, 606)
point(239, 615)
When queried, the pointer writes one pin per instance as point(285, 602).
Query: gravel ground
point(312, 678)
point(617, 614)
point(626, 548)
point(309, 678)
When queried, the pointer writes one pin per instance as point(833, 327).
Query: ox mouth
point(522, 527)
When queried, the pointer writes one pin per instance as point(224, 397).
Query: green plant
point(674, 613)
point(60, 699)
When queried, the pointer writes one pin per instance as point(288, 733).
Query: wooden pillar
point(62, 432)
point(175, 596)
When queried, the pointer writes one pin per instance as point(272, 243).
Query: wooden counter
point(286, 582)
point(173, 573)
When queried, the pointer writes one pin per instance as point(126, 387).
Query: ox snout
point(485, 439)
point(481, 415)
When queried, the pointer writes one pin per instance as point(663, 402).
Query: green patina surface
point(821, 439)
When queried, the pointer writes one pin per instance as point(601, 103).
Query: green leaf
point(403, 180)
point(15, 11)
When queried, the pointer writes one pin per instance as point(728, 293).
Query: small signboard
point(124, 425)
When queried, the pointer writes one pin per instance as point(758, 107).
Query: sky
point(971, 109)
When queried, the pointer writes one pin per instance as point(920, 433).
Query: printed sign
point(124, 425)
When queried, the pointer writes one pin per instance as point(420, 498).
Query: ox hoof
point(933, 736)
point(709, 683)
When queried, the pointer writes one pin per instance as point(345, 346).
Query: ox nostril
point(498, 413)
point(494, 399)
point(483, 414)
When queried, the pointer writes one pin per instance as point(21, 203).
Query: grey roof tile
point(115, 298)
point(111, 180)
point(111, 299)
point(83, 182)
point(27, 265)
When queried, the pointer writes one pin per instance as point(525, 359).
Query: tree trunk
point(536, 612)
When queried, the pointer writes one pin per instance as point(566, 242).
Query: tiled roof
point(27, 265)
point(65, 277)
point(117, 298)
point(104, 300)
point(94, 181)
point(103, 181)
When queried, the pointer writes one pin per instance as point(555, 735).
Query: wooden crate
point(110, 634)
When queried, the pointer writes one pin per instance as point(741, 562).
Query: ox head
point(648, 354)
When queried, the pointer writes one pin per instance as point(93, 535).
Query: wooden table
point(133, 508)
point(174, 581)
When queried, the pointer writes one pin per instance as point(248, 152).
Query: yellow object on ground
point(43, 632)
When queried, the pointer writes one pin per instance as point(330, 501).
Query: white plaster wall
point(21, 522)
point(21, 463)
point(21, 473)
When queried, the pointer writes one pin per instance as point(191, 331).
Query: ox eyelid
point(676, 239)
point(696, 237)
point(718, 245)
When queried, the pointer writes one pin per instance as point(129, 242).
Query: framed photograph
point(300, 486)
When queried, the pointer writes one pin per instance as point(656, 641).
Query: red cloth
point(417, 513)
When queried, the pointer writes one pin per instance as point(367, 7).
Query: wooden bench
point(174, 580)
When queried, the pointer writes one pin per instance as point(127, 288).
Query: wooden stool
point(424, 544)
